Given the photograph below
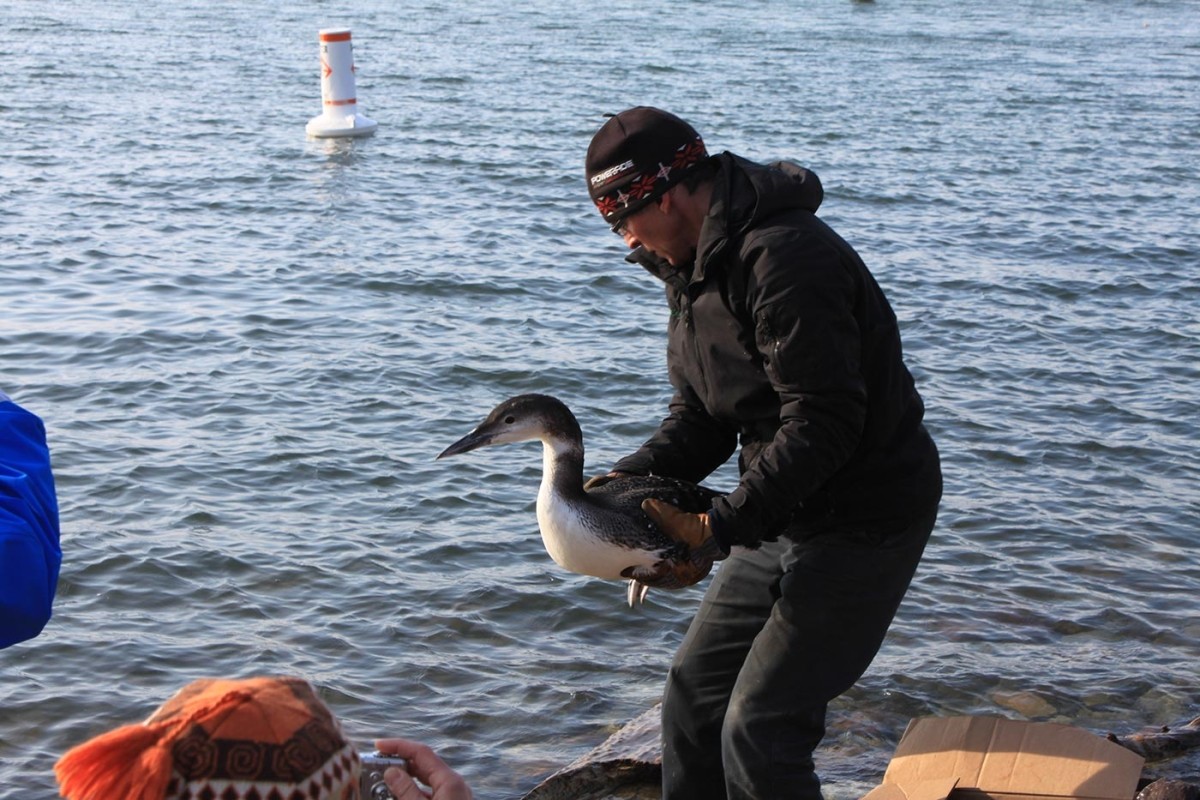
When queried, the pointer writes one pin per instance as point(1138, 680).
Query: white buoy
point(340, 116)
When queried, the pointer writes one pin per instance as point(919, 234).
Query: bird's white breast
point(574, 544)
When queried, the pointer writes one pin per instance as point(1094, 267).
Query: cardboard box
point(971, 758)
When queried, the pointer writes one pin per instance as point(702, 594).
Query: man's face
point(658, 228)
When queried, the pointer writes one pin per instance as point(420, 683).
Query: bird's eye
point(509, 420)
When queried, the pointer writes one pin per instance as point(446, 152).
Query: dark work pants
point(781, 631)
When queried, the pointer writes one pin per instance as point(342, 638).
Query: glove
point(600, 480)
point(694, 530)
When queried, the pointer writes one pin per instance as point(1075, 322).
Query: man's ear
point(666, 201)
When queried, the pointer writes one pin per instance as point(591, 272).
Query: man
point(780, 340)
point(29, 537)
point(260, 737)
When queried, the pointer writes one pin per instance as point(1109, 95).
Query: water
point(248, 347)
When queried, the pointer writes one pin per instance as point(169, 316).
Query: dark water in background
point(248, 347)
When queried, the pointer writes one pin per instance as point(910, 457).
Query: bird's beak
point(472, 441)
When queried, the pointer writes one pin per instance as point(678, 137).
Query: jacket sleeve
point(689, 444)
point(29, 534)
point(802, 299)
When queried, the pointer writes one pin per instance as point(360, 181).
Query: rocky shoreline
point(628, 765)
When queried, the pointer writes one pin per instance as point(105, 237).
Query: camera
point(370, 781)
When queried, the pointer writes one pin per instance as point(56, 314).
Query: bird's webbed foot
point(666, 574)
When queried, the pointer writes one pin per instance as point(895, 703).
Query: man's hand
point(694, 530)
point(424, 765)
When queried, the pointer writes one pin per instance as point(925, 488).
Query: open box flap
point(1003, 756)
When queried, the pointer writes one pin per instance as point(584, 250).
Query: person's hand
point(694, 530)
point(600, 480)
point(424, 765)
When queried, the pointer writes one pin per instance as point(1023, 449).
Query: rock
point(1164, 789)
point(627, 766)
point(1027, 704)
point(1163, 743)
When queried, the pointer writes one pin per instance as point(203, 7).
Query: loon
point(601, 531)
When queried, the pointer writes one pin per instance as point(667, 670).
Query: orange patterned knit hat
point(252, 739)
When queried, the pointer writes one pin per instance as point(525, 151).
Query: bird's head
point(519, 419)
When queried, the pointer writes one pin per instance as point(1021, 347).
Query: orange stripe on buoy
point(343, 36)
point(350, 102)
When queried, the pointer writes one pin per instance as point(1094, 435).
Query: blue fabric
point(30, 555)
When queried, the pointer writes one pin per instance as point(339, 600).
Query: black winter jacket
point(780, 339)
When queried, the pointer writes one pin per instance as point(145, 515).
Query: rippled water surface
point(248, 347)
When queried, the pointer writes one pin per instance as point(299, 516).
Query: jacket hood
point(747, 193)
point(744, 194)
